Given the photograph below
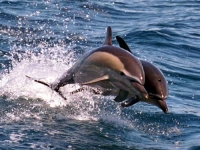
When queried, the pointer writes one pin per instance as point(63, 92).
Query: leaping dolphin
point(107, 67)
point(155, 83)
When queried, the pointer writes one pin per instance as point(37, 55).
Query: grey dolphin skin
point(155, 83)
point(106, 67)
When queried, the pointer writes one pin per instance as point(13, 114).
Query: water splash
point(47, 64)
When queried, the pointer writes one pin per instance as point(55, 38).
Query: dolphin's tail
point(48, 85)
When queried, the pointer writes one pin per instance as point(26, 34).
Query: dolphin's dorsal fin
point(122, 43)
point(108, 40)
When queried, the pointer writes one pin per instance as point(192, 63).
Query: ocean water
point(44, 38)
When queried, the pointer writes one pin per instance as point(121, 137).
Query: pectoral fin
point(105, 77)
point(130, 102)
point(121, 96)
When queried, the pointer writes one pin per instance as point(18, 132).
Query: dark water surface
point(44, 38)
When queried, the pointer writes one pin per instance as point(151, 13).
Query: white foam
point(16, 137)
point(118, 121)
point(15, 84)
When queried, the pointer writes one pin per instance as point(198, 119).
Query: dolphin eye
point(159, 80)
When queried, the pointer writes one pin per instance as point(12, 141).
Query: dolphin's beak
point(162, 104)
point(141, 89)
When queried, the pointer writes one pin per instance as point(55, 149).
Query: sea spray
point(47, 64)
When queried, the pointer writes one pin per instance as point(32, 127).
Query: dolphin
point(155, 83)
point(107, 67)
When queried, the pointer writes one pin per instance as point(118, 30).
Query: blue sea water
point(44, 38)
